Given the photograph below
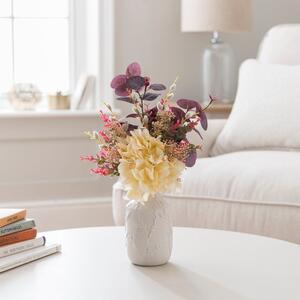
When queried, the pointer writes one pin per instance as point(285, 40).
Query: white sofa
point(249, 191)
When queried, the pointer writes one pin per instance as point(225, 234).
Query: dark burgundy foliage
point(180, 123)
point(191, 159)
point(157, 87)
point(189, 104)
point(133, 69)
point(135, 82)
point(150, 96)
point(203, 120)
point(131, 127)
point(132, 116)
point(122, 84)
point(152, 114)
point(179, 113)
point(118, 81)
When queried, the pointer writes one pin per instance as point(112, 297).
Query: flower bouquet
point(148, 149)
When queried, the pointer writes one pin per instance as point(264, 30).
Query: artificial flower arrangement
point(148, 148)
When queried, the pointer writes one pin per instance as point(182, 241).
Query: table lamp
point(216, 16)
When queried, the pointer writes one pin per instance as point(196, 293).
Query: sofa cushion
point(266, 112)
point(281, 45)
point(254, 176)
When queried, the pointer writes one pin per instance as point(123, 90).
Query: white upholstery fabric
point(281, 45)
point(252, 176)
point(256, 192)
point(266, 111)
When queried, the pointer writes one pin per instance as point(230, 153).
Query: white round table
point(205, 264)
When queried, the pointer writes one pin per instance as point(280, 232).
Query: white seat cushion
point(259, 176)
point(255, 192)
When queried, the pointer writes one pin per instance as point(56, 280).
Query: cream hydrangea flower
point(144, 167)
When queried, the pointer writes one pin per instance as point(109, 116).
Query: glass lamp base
point(219, 73)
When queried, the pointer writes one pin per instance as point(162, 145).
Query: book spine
point(30, 256)
point(22, 246)
point(13, 218)
point(16, 227)
point(18, 237)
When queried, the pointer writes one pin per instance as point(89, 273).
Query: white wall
point(41, 170)
point(149, 32)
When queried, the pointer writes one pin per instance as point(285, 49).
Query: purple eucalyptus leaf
point(132, 116)
point(150, 96)
point(189, 104)
point(157, 87)
point(152, 114)
point(121, 90)
point(133, 69)
point(178, 112)
point(203, 120)
point(131, 127)
point(135, 82)
point(191, 159)
point(118, 81)
point(125, 99)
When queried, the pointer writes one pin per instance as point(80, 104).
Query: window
point(35, 44)
point(51, 43)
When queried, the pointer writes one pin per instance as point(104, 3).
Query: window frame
point(86, 54)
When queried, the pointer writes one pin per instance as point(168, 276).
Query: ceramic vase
point(149, 235)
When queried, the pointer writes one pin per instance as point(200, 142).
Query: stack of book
point(19, 243)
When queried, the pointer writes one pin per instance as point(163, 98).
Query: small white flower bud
point(170, 96)
point(145, 120)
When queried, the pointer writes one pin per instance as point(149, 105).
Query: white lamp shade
point(215, 15)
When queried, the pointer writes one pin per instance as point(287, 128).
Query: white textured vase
point(149, 235)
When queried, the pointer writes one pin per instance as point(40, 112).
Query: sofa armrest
point(209, 137)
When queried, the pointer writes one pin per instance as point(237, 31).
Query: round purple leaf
point(203, 120)
point(121, 90)
point(189, 104)
point(133, 69)
point(135, 82)
point(118, 81)
point(157, 87)
point(178, 112)
point(191, 159)
point(150, 96)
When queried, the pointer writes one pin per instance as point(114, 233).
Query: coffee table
point(205, 264)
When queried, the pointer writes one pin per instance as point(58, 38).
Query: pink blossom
point(100, 171)
point(104, 117)
point(103, 135)
point(103, 153)
point(88, 158)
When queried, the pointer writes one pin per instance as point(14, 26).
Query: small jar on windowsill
point(59, 101)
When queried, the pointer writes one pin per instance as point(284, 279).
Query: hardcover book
point(17, 226)
point(22, 246)
point(25, 257)
point(18, 237)
point(10, 215)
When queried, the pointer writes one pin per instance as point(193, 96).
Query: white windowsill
point(47, 113)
